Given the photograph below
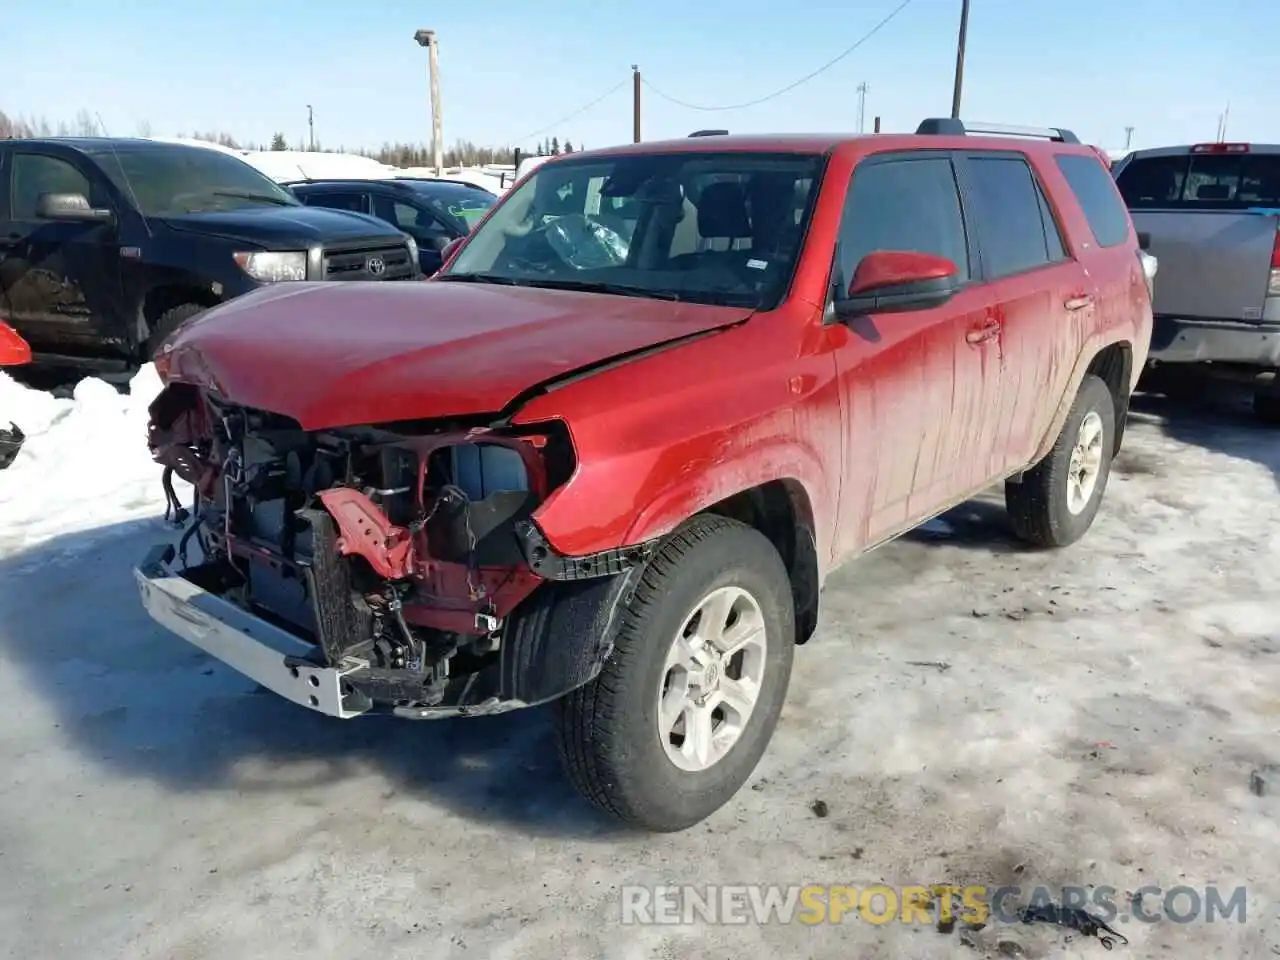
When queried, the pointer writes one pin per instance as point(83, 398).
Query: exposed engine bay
point(404, 551)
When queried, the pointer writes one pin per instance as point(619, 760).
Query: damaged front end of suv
point(380, 569)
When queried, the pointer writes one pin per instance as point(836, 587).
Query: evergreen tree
point(278, 142)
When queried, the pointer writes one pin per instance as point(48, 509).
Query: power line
point(791, 86)
point(567, 117)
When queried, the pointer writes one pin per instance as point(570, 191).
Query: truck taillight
point(1273, 282)
point(1220, 148)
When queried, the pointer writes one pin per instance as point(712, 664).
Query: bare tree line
point(462, 153)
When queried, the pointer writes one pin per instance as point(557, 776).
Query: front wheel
point(1056, 500)
point(686, 703)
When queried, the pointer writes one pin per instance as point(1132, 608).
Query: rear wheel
point(1055, 502)
point(685, 705)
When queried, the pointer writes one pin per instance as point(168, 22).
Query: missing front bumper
point(284, 663)
point(262, 651)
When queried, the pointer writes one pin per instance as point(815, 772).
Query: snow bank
point(85, 463)
point(286, 165)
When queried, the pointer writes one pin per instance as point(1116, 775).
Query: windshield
point(165, 181)
point(461, 206)
point(708, 228)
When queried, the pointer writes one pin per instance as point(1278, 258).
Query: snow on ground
point(1094, 720)
point(85, 462)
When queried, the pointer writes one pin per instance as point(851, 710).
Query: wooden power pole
point(427, 38)
point(635, 104)
point(959, 84)
point(862, 105)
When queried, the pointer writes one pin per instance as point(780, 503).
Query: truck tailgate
point(1214, 265)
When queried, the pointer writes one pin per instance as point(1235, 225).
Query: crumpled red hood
point(341, 354)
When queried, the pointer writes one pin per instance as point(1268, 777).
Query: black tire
point(607, 730)
point(168, 322)
point(1038, 504)
point(1266, 405)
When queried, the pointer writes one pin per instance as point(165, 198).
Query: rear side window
point(355, 202)
point(1208, 181)
point(908, 204)
point(1096, 192)
point(1010, 212)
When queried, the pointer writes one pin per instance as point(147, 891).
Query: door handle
point(1078, 303)
point(983, 334)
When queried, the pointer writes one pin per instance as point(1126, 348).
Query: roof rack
point(709, 133)
point(951, 127)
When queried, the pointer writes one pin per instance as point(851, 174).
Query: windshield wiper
point(597, 286)
point(246, 195)
point(479, 278)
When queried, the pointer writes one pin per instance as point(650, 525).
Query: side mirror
point(893, 281)
point(1144, 240)
point(70, 207)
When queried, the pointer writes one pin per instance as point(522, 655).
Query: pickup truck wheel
point(1056, 500)
point(684, 706)
point(168, 322)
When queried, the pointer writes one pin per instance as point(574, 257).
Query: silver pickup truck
point(1210, 214)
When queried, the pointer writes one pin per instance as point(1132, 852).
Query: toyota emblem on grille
point(376, 266)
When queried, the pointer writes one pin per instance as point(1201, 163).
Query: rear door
point(1212, 215)
point(1042, 298)
point(414, 218)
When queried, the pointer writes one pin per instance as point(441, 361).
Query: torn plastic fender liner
point(560, 637)
point(365, 531)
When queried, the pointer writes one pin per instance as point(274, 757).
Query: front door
point(912, 382)
point(61, 281)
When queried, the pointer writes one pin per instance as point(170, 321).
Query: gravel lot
point(1095, 721)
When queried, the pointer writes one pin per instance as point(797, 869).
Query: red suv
point(608, 456)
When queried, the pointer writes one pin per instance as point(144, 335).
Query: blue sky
point(513, 69)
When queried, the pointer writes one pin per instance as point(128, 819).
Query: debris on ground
point(1074, 918)
point(819, 808)
point(10, 443)
point(940, 665)
point(1265, 780)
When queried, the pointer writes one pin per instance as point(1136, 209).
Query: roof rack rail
point(709, 133)
point(951, 127)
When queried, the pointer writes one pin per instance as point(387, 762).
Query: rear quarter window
point(1098, 197)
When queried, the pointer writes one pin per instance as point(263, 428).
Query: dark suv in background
point(433, 212)
point(107, 245)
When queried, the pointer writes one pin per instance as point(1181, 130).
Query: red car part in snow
point(14, 352)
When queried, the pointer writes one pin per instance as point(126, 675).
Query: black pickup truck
point(107, 245)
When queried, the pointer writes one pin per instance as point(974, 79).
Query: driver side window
point(35, 174)
point(909, 204)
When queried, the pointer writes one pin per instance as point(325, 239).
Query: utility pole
point(862, 105)
point(635, 103)
point(1128, 137)
point(964, 31)
point(427, 38)
point(1222, 123)
point(311, 128)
